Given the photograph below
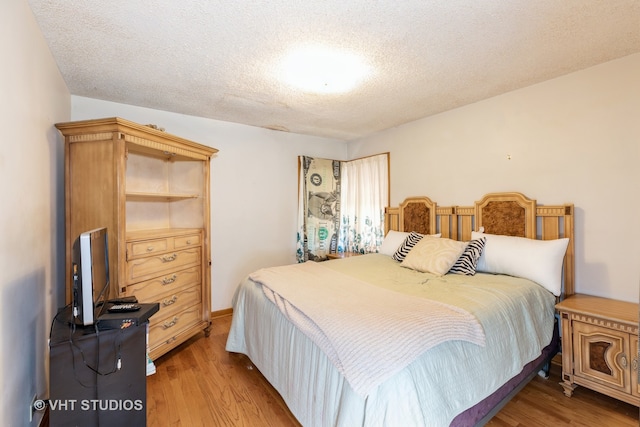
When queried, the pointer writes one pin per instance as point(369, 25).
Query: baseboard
point(221, 313)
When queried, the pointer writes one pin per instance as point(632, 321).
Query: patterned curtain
point(365, 194)
point(318, 208)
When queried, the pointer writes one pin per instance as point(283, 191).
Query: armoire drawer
point(175, 302)
point(186, 241)
point(163, 329)
point(143, 248)
point(161, 264)
point(147, 247)
point(149, 290)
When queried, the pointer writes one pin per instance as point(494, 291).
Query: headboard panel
point(418, 214)
point(510, 213)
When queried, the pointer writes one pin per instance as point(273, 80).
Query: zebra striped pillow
point(468, 261)
point(406, 246)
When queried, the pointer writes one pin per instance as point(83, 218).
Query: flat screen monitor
point(90, 275)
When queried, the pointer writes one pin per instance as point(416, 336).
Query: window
point(341, 205)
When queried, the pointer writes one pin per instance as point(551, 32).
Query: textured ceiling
point(217, 59)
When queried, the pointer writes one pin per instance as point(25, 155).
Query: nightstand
point(340, 255)
point(600, 346)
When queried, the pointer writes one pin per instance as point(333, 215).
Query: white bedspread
point(342, 314)
point(517, 316)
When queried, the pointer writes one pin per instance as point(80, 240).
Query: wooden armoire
point(150, 189)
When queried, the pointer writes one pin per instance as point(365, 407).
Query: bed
point(333, 369)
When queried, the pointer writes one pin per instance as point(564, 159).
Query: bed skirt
point(479, 414)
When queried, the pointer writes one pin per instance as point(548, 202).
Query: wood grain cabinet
point(600, 346)
point(151, 190)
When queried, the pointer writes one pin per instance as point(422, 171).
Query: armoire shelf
point(168, 197)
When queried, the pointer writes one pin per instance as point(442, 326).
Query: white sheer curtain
point(364, 196)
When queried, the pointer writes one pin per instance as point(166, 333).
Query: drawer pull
point(188, 242)
point(167, 325)
point(150, 249)
point(169, 258)
point(167, 302)
point(169, 280)
point(170, 340)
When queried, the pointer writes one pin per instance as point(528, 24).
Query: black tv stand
point(97, 373)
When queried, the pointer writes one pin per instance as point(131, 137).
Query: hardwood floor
point(200, 384)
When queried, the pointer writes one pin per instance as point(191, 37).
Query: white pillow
point(536, 260)
point(434, 255)
point(392, 242)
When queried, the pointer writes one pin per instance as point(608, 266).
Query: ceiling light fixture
point(323, 70)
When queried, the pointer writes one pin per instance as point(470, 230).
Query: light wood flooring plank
point(200, 384)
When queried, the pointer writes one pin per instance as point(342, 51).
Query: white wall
point(253, 187)
point(573, 139)
point(34, 97)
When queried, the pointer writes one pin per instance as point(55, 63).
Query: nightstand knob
point(623, 361)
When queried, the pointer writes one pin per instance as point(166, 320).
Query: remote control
point(124, 300)
point(123, 308)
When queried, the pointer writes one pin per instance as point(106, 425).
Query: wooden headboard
point(511, 214)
